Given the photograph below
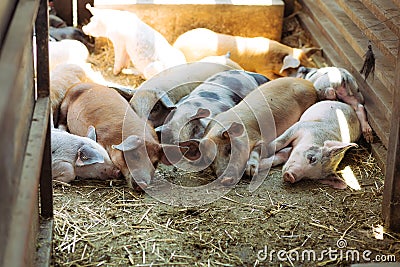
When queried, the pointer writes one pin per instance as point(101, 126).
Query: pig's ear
point(201, 113)
point(289, 62)
point(91, 133)
point(87, 155)
point(337, 147)
point(165, 100)
point(172, 154)
point(334, 181)
point(130, 143)
point(192, 149)
point(90, 8)
point(309, 51)
point(234, 130)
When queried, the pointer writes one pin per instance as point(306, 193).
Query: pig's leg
point(284, 139)
point(279, 158)
point(121, 57)
point(254, 159)
point(63, 171)
point(62, 119)
point(361, 114)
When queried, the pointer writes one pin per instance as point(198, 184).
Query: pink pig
point(318, 143)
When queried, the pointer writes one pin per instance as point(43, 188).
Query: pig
point(156, 97)
point(131, 143)
point(224, 60)
point(74, 155)
point(56, 22)
point(318, 142)
point(67, 51)
point(235, 140)
point(62, 77)
point(217, 94)
point(133, 40)
point(258, 54)
point(334, 83)
point(70, 33)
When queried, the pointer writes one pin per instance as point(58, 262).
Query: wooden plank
point(6, 11)
point(382, 37)
point(391, 193)
point(44, 242)
point(21, 243)
point(384, 70)
point(385, 11)
point(16, 107)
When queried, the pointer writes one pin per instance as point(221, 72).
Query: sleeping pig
point(131, 143)
point(217, 94)
point(334, 83)
point(317, 143)
point(74, 155)
point(70, 33)
point(258, 54)
point(156, 97)
point(133, 40)
point(235, 140)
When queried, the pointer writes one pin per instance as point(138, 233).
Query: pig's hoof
point(367, 133)
point(141, 185)
point(289, 177)
point(228, 181)
point(251, 169)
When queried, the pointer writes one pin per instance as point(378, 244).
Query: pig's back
point(287, 99)
point(330, 113)
point(105, 109)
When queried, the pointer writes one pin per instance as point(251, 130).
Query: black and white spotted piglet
point(217, 94)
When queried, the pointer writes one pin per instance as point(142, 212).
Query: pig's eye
point(157, 107)
point(311, 159)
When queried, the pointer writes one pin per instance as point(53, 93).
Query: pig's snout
point(116, 173)
point(289, 177)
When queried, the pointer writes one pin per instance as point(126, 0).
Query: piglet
point(258, 54)
point(133, 40)
point(131, 143)
point(62, 77)
point(67, 51)
point(318, 143)
point(217, 94)
point(74, 155)
point(334, 83)
point(156, 97)
point(234, 140)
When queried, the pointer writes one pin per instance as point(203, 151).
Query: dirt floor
point(103, 223)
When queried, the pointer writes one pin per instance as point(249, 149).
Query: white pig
point(334, 83)
point(133, 40)
point(67, 51)
point(74, 155)
point(318, 143)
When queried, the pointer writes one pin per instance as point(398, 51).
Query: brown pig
point(131, 143)
point(258, 54)
point(234, 141)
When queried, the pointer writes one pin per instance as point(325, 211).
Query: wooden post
point(391, 193)
point(43, 84)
